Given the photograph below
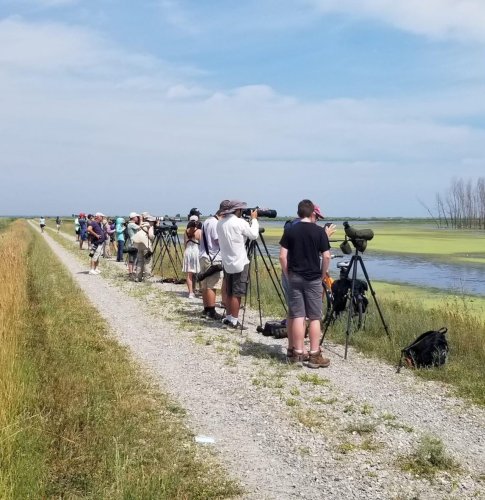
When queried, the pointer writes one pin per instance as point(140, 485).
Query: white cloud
point(456, 19)
point(79, 110)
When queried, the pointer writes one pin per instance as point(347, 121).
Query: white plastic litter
point(204, 439)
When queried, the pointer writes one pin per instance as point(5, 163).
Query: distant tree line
point(462, 206)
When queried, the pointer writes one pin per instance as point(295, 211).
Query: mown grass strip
point(86, 423)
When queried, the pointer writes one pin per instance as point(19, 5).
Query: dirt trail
point(281, 433)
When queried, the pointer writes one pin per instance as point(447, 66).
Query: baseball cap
point(193, 217)
point(195, 211)
point(99, 214)
point(318, 212)
point(133, 215)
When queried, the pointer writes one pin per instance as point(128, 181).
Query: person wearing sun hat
point(233, 232)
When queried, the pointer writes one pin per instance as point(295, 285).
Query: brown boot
point(317, 360)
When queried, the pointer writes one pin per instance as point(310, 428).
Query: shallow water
point(455, 278)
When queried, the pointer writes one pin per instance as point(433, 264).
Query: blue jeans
point(119, 255)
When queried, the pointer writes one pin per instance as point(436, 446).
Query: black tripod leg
point(350, 305)
point(258, 291)
point(364, 270)
point(273, 275)
point(250, 252)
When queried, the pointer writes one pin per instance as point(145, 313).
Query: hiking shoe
point(316, 360)
point(293, 357)
point(213, 316)
point(234, 326)
point(203, 314)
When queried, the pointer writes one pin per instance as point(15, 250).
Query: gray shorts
point(304, 298)
point(237, 283)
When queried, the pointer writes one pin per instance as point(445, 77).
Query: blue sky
point(365, 106)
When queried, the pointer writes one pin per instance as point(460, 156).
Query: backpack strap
point(211, 259)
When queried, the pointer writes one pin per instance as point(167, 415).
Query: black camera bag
point(429, 350)
point(276, 329)
point(340, 292)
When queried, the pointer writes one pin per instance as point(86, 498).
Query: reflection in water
point(468, 279)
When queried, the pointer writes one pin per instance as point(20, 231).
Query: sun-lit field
point(77, 419)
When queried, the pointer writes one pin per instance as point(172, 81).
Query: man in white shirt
point(233, 231)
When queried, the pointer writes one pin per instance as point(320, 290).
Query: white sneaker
point(97, 271)
point(92, 272)
point(191, 296)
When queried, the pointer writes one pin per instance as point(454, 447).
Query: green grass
point(88, 424)
point(428, 458)
point(407, 319)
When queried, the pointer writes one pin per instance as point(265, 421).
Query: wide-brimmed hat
point(99, 214)
point(223, 206)
point(234, 205)
point(133, 215)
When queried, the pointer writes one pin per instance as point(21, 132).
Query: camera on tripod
point(358, 237)
point(262, 212)
point(163, 228)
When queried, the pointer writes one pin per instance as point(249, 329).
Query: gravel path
point(286, 432)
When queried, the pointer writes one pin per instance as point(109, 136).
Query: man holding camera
point(305, 259)
point(96, 232)
point(233, 231)
point(210, 258)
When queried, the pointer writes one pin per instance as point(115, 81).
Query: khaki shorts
point(213, 282)
point(98, 252)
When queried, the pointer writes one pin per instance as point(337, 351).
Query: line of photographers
point(221, 241)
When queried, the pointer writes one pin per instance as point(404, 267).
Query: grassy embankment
point(76, 417)
point(410, 311)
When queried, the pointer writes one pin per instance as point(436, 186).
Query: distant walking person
point(42, 224)
point(58, 223)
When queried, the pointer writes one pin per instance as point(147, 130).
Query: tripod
point(168, 242)
point(253, 250)
point(355, 261)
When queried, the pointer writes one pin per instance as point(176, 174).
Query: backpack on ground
point(429, 350)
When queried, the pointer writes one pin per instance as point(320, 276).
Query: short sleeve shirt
point(305, 243)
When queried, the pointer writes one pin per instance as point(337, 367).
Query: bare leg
point(298, 333)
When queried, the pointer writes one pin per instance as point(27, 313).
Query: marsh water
point(413, 270)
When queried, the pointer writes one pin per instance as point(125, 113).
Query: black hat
point(195, 211)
